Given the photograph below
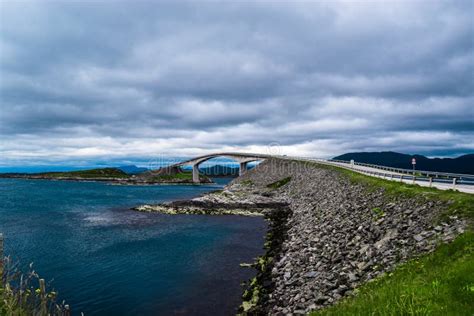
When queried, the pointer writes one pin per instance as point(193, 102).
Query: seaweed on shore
point(256, 296)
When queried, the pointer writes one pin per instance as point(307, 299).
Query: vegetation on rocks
point(278, 184)
point(86, 174)
point(168, 175)
point(441, 283)
point(344, 232)
point(260, 286)
point(246, 182)
point(177, 176)
point(459, 203)
point(378, 212)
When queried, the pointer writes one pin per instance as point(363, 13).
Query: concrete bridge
point(242, 158)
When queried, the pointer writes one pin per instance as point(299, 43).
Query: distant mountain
point(461, 164)
point(132, 169)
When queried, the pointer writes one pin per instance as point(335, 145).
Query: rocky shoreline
point(223, 202)
point(327, 235)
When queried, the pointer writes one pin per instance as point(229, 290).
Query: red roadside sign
point(413, 161)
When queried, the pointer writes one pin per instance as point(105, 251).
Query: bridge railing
point(403, 175)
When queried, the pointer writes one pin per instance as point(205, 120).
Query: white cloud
point(98, 80)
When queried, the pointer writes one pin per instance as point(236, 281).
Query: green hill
point(87, 174)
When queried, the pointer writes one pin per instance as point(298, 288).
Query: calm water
point(108, 260)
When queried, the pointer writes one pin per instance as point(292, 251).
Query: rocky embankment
point(335, 235)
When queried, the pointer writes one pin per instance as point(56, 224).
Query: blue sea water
point(105, 259)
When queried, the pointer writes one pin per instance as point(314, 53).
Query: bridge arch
point(242, 159)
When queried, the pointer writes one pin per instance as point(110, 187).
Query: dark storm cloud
point(99, 79)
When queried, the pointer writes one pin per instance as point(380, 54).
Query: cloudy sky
point(96, 81)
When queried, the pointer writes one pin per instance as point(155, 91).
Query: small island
point(174, 175)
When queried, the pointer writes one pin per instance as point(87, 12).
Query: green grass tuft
point(279, 183)
point(441, 283)
point(27, 294)
point(177, 176)
point(246, 182)
point(378, 212)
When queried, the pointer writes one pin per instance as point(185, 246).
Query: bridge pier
point(196, 173)
point(242, 168)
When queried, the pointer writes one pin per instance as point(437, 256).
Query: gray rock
point(391, 233)
point(418, 238)
point(352, 277)
point(311, 274)
point(321, 299)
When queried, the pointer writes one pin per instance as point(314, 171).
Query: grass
point(87, 174)
point(378, 212)
point(177, 176)
point(441, 283)
point(279, 183)
point(27, 294)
